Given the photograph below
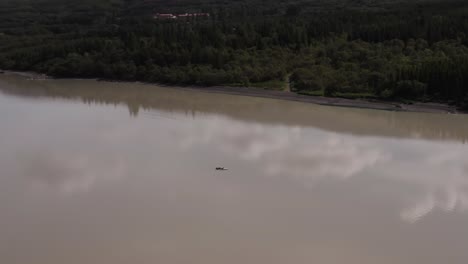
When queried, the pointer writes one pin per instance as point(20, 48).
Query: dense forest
point(389, 49)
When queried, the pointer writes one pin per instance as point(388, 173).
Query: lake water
point(113, 173)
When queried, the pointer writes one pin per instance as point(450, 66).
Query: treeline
point(391, 69)
point(390, 50)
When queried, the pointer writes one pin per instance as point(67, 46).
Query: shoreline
point(289, 96)
point(326, 101)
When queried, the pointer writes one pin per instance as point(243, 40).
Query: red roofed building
point(165, 16)
point(186, 15)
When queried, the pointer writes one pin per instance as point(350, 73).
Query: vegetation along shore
point(377, 52)
point(290, 96)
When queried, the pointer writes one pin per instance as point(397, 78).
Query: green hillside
point(398, 50)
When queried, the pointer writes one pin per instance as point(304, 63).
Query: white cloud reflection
point(71, 172)
point(435, 173)
point(442, 178)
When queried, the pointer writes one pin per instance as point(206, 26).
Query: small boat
point(221, 169)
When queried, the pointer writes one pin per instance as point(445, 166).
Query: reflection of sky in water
point(73, 149)
point(438, 172)
point(82, 181)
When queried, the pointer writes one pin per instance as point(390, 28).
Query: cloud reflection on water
point(71, 172)
point(435, 172)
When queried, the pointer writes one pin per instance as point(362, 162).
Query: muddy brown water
point(115, 173)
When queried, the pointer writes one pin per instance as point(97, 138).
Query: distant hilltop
point(176, 16)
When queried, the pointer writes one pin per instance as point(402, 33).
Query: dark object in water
point(221, 168)
point(2, 72)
